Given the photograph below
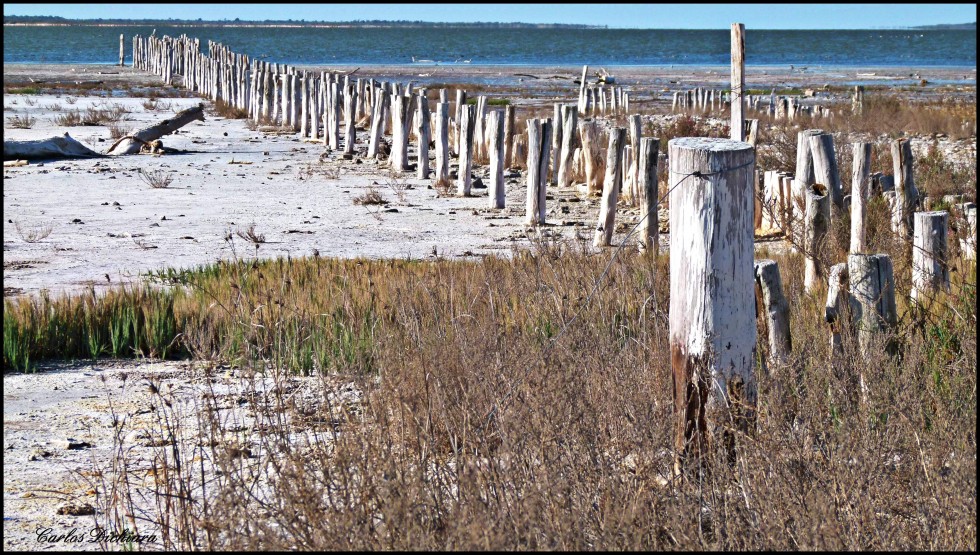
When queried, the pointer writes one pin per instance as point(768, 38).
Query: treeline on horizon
point(51, 19)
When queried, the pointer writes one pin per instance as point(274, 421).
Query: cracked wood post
point(817, 224)
point(774, 309)
point(568, 123)
point(509, 136)
point(350, 112)
point(872, 286)
point(582, 99)
point(738, 79)
point(634, 133)
point(647, 165)
point(968, 238)
point(591, 150)
point(860, 187)
point(465, 135)
point(555, 160)
point(825, 169)
point(930, 261)
point(132, 143)
point(442, 142)
point(316, 108)
point(804, 178)
point(378, 122)
point(538, 154)
point(425, 135)
point(460, 106)
point(401, 121)
point(495, 132)
point(906, 194)
point(833, 308)
point(334, 100)
point(712, 293)
point(304, 118)
point(610, 189)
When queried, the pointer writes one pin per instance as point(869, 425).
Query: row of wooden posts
point(712, 195)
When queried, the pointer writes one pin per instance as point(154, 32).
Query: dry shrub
point(70, 118)
point(118, 131)
point(226, 110)
point(371, 197)
point(249, 234)
point(444, 187)
point(32, 233)
point(157, 179)
point(103, 115)
point(21, 121)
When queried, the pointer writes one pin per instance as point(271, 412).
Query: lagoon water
point(516, 47)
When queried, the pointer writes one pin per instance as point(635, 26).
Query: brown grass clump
point(226, 110)
point(371, 197)
point(21, 121)
point(71, 118)
point(157, 179)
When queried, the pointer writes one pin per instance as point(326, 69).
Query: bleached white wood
point(460, 106)
point(538, 155)
point(495, 131)
point(906, 194)
point(872, 296)
point(556, 145)
point(582, 98)
point(836, 298)
point(610, 188)
point(930, 259)
point(425, 134)
point(509, 124)
point(825, 169)
point(401, 120)
point(350, 113)
point(860, 186)
point(647, 166)
point(738, 79)
point(817, 225)
point(442, 142)
point(712, 318)
point(774, 310)
point(569, 124)
point(631, 178)
point(378, 122)
point(591, 152)
point(463, 178)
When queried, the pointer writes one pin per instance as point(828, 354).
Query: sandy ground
point(107, 226)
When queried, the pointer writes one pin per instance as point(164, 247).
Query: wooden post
point(712, 319)
point(635, 132)
point(930, 262)
point(836, 297)
point(568, 124)
point(495, 132)
point(334, 105)
point(968, 238)
point(460, 106)
point(906, 194)
point(647, 165)
point(610, 189)
point(304, 96)
point(401, 120)
point(556, 144)
point(825, 169)
point(872, 286)
point(538, 155)
point(479, 143)
point(589, 131)
point(738, 78)
point(582, 99)
point(753, 131)
point(817, 224)
point(463, 179)
point(774, 309)
point(442, 142)
point(860, 186)
point(378, 123)
point(425, 133)
point(350, 114)
point(508, 136)
point(122, 50)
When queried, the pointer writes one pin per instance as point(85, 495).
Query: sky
point(649, 16)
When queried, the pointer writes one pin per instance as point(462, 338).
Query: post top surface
point(931, 214)
point(709, 143)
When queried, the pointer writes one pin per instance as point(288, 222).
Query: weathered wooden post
point(634, 133)
point(906, 194)
point(442, 142)
point(304, 96)
point(460, 106)
point(833, 309)
point(424, 135)
point(401, 121)
point(930, 262)
point(568, 123)
point(872, 286)
point(509, 125)
point(334, 106)
point(479, 144)
point(378, 122)
point(610, 189)
point(647, 165)
point(968, 239)
point(774, 309)
point(825, 169)
point(860, 186)
point(122, 49)
point(817, 224)
point(712, 292)
point(463, 178)
point(495, 132)
point(350, 114)
point(538, 154)
point(738, 78)
point(582, 99)
point(589, 131)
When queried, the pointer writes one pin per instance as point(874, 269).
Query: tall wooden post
point(872, 286)
point(647, 166)
point(568, 123)
point(122, 50)
point(442, 142)
point(463, 178)
point(495, 132)
point(712, 319)
point(610, 188)
point(774, 309)
point(508, 136)
point(591, 152)
point(817, 224)
point(350, 113)
point(738, 79)
point(825, 169)
point(906, 194)
point(930, 261)
point(860, 187)
point(425, 132)
point(538, 156)
point(582, 99)
point(968, 239)
point(460, 106)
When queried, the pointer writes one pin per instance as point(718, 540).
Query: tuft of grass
point(226, 110)
point(118, 131)
point(371, 197)
point(157, 179)
point(71, 118)
point(21, 121)
point(32, 233)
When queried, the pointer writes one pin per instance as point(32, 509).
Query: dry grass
point(371, 197)
point(32, 233)
point(226, 110)
point(118, 131)
point(157, 179)
point(21, 121)
point(71, 118)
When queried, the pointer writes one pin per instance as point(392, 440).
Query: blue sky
point(657, 16)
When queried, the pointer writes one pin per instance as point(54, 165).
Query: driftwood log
point(132, 144)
